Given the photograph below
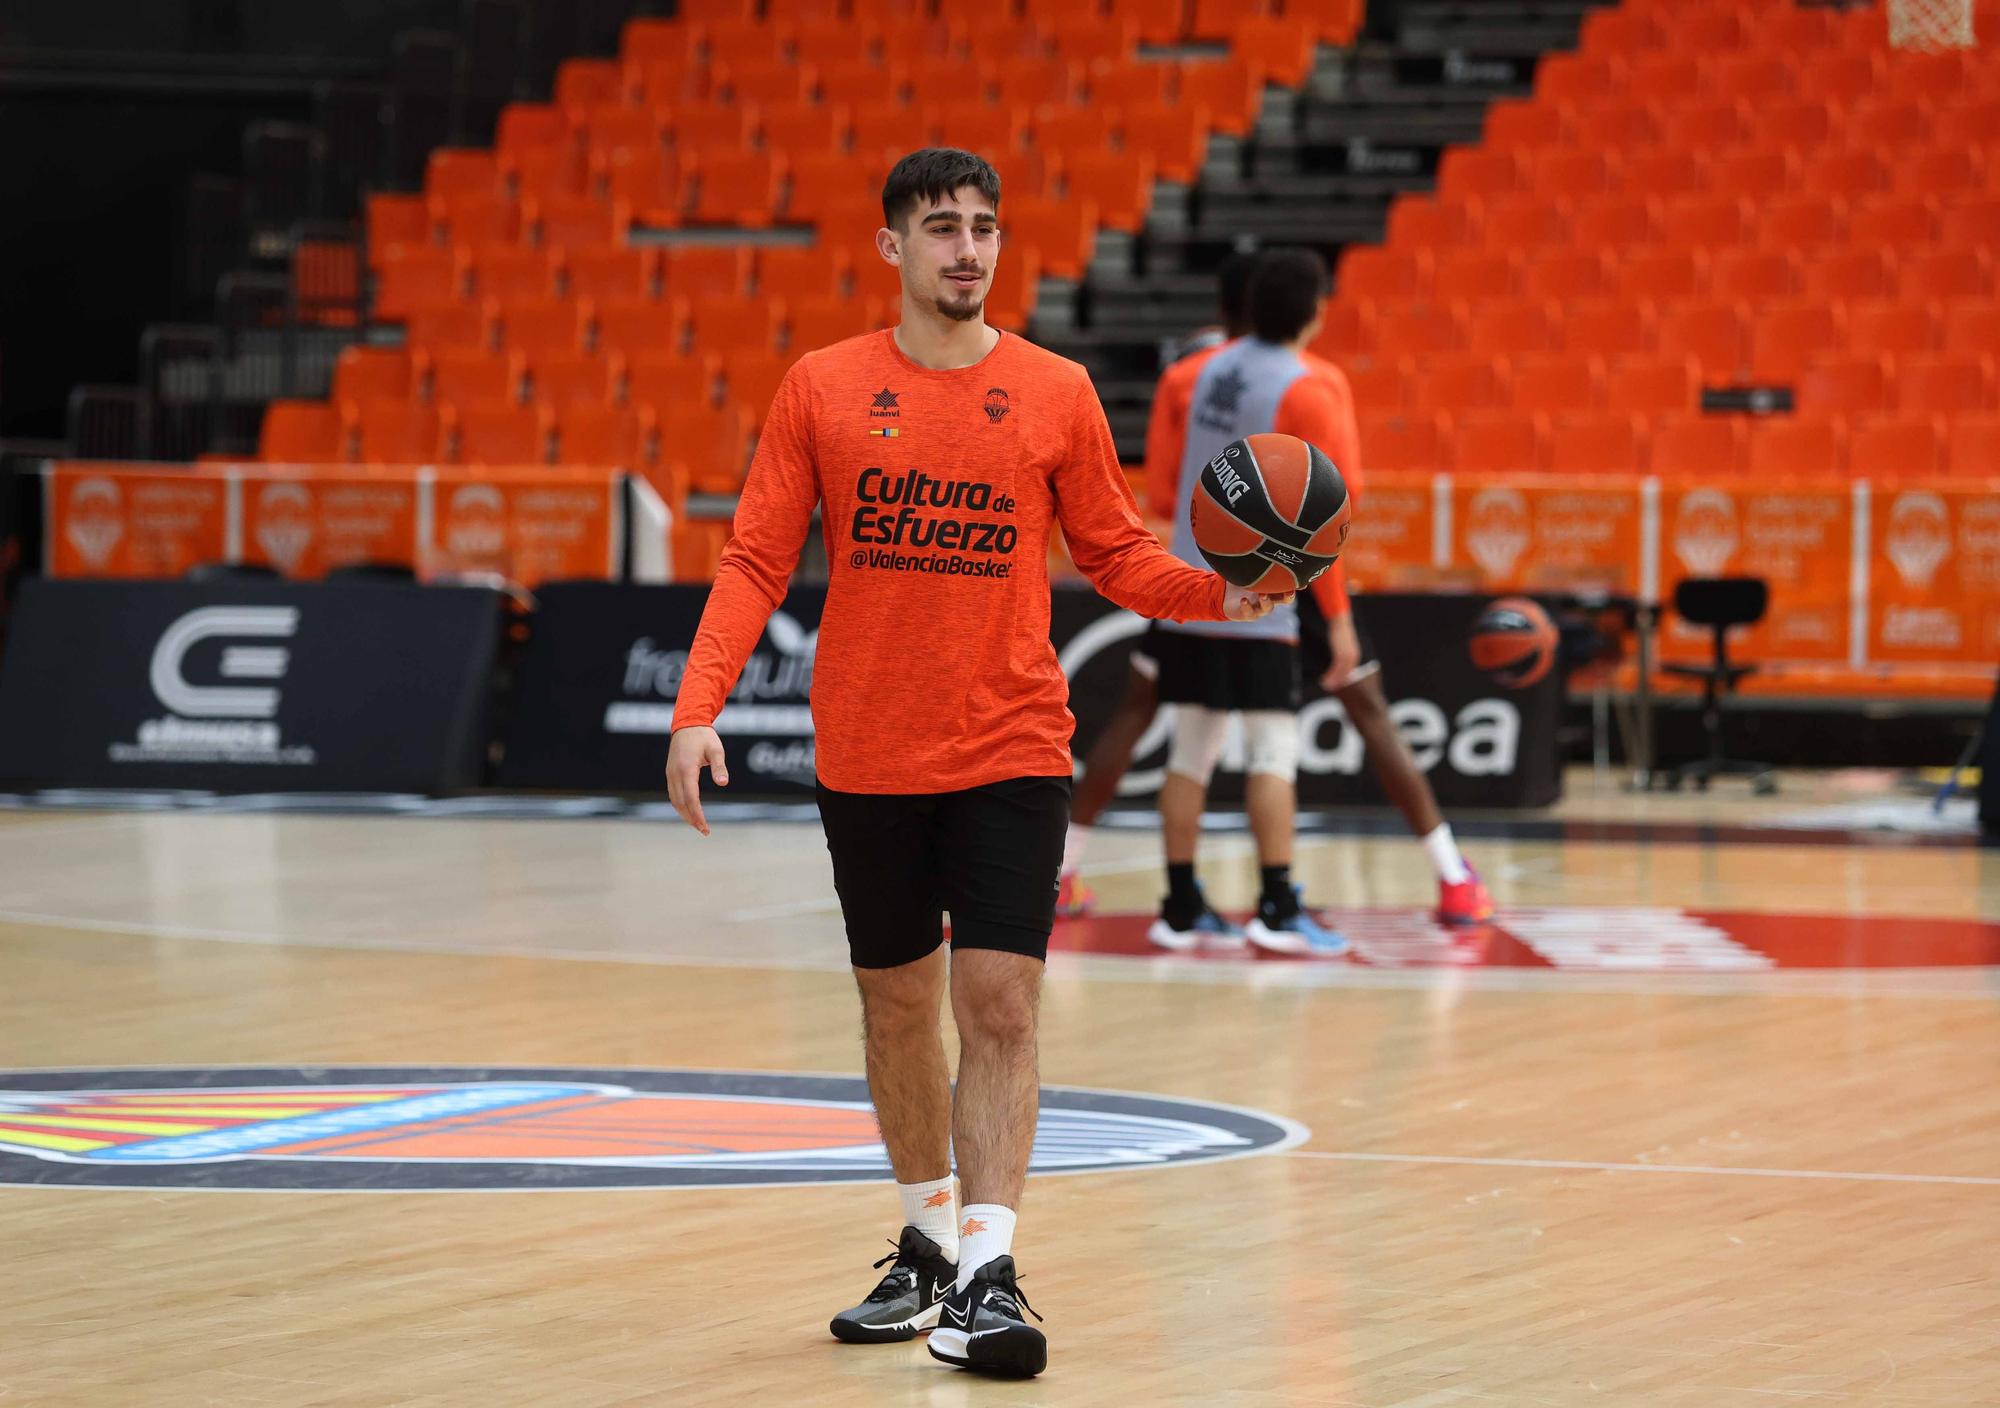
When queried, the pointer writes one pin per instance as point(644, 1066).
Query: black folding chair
point(1719, 603)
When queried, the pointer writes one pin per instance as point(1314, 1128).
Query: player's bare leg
point(907, 1076)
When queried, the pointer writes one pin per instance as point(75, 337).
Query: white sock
point(986, 1233)
point(1445, 859)
point(932, 1208)
point(1074, 842)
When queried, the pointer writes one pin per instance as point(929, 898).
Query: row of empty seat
point(1684, 446)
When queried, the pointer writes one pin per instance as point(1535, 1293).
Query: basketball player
point(943, 452)
point(1462, 897)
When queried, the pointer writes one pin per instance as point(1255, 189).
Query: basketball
point(1270, 513)
point(1514, 641)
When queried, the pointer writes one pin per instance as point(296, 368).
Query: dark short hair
point(1286, 290)
point(1232, 279)
point(933, 174)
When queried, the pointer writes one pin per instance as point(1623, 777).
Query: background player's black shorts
point(1314, 657)
point(1227, 672)
point(988, 855)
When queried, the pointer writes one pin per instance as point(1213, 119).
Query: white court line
point(1589, 1166)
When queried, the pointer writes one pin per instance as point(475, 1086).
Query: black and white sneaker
point(907, 1301)
point(981, 1327)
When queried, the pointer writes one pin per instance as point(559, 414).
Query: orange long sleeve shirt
point(940, 489)
point(1323, 420)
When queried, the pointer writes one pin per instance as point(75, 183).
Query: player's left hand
point(1345, 647)
point(1242, 604)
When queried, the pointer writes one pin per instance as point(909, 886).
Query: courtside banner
point(1480, 744)
point(247, 687)
point(603, 672)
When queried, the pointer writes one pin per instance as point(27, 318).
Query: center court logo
point(403, 1129)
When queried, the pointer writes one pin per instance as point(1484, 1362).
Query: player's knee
point(996, 1014)
point(897, 1000)
point(1271, 744)
point(1197, 745)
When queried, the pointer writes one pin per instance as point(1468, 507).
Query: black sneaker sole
point(1019, 1353)
point(848, 1332)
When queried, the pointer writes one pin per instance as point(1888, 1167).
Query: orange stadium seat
point(1755, 275)
point(473, 374)
point(561, 379)
point(1348, 329)
point(821, 322)
point(468, 220)
point(1972, 326)
point(1451, 383)
point(1845, 274)
point(707, 271)
point(1175, 137)
point(1555, 383)
point(1662, 274)
point(1758, 78)
point(1631, 127)
point(859, 85)
point(302, 432)
point(751, 380)
point(1973, 450)
point(1973, 222)
point(547, 325)
point(644, 41)
point(1784, 447)
point(996, 131)
point(1230, 89)
point(1384, 385)
point(1944, 385)
point(1709, 221)
point(699, 129)
point(1840, 78)
point(1653, 385)
point(1843, 175)
point(1790, 220)
point(414, 276)
point(1281, 50)
point(1117, 183)
point(765, 80)
point(1618, 30)
point(1517, 221)
point(713, 440)
point(1332, 21)
point(1891, 327)
point(1412, 441)
point(670, 380)
point(806, 129)
point(1693, 447)
point(726, 325)
point(1565, 275)
point(1697, 126)
point(1892, 221)
point(609, 272)
point(949, 82)
point(1515, 123)
point(397, 432)
point(1707, 31)
point(741, 39)
point(1497, 442)
point(548, 171)
point(570, 221)
point(1842, 385)
point(1566, 173)
point(615, 126)
point(1063, 233)
point(598, 434)
point(1607, 328)
point(1422, 222)
point(1157, 21)
point(587, 83)
point(643, 325)
point(463, 171)
point(646, 183)
point(392, 220)
point(1712, 332)
point(1946, 274)
point(1475, 274)
point(1419, 329)
point(1614, 221)
point(1895, 447)
point(1505, 327)
point(514, 272)
point(1786, 336)
point(363, 373)
point(1377, 271)
point(1663, 74)
point(738, 188)
point(1122, 84)
point(459, 323)
point(1082, 127)
point(500, 433)
point(1596, 444)
point(1025, 86)
point(1474, 171)
point(1012, 297)
point(1798, 122)
point(1576, 77)
point(790, 275)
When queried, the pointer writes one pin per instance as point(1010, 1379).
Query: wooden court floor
point(1523, 1185)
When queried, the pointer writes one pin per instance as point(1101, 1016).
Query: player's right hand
point(1242, 604)
point(693, 749)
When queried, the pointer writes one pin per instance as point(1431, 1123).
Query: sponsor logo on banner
point(397, 1129)
point(285, 524)
point(228, 721)
point(770, 697)
point(1705, 535)
point(1919, 537)
point(475, 525)
point(1497, 530)
point(96, 520)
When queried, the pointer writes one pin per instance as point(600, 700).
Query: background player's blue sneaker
point(1294, 934)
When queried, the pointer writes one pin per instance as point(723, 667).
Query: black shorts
point(988, 855)
point(1315, 658)
point(1227, 672)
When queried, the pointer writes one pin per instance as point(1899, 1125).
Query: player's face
point(950, 251)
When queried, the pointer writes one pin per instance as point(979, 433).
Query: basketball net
point(1930, 24)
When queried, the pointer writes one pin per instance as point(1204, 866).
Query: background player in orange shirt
point(1325, 643)
point(943, 453)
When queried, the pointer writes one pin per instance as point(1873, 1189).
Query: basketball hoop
point(1930, 25)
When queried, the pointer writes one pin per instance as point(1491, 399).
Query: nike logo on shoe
point(941, 1289)
point(951, 1314)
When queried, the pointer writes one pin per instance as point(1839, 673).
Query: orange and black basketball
point(1514, 641)
point(1270, 513)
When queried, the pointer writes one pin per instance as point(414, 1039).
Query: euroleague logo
point(428, 1128)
